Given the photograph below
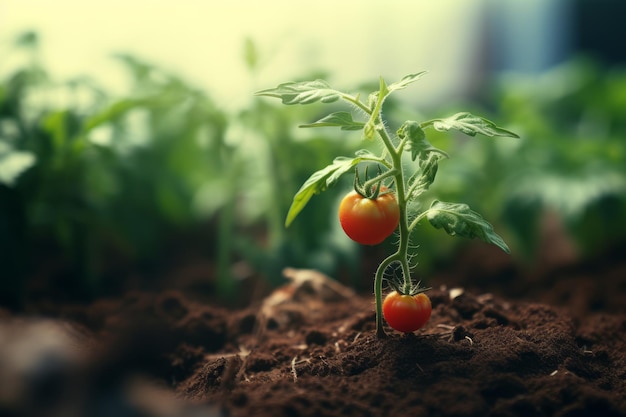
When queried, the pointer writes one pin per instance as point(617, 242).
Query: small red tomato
point(369, 221)
point(406, 313)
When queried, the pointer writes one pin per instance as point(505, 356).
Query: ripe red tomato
point(406, 313)
point(369, 221)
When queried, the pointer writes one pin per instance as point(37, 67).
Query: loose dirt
point(309, 349)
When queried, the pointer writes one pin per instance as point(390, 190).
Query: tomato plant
point(369, 220)
point(407, 166)
point(406, 313)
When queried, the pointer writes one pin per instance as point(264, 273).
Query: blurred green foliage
point(573, 158)
point(84, 174)
point(88, 178)
point(570, 160)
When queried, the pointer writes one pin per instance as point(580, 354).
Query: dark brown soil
point(309, 349)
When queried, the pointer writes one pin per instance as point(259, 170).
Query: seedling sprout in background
point(409, 179)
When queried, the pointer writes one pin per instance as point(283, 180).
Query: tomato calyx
point(414, 290)
point(372, 192)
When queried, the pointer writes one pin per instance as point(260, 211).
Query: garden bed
point(309, 349)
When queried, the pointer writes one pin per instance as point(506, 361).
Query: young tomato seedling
point(380, 205)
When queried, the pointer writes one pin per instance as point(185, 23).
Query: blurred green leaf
point(56, 124)
point(569, 194)
point(113, 112)
point(250, 54)
point(27, 39)
point(305, 92)
point(13, 163)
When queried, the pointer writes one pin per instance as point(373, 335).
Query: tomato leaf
point(319, 182)
point(341, 119)
point(425, 176)
point(470, 125)
point(459, 220)
point(416, 137)
point(405, 81)
point(304, 92)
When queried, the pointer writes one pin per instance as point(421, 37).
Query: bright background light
point(202, 41)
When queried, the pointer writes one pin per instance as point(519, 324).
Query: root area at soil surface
point(310, 349)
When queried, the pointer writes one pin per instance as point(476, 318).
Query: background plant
point(98, 188)
point(94, 185)
point(573, 164)
point(570, 164)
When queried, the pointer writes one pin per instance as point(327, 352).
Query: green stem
point(357, 103)
point(403, 228)
point(391, 173)
point(417, 220)
point(401, 146)
point(381, 161)
point(395, 171)
point(378, 292)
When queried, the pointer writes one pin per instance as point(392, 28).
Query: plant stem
point(417, 220)
point(403, 227)
point(357, 102)
point(390, 173)
point(378, 293)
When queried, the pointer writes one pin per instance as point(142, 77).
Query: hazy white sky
point(202, 40)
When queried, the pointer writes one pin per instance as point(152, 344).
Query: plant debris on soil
point(309, 349)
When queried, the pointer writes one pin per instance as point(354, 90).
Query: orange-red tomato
point(406, 313)
point(369, 221)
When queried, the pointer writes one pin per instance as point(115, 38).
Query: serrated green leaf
point(405, 81)
point(319, 181)
point(459, 220)
point(470, 125)
point(376, 99)
point(304, 92)
point(425, 176)
point(341, 119)
point(418, 145)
